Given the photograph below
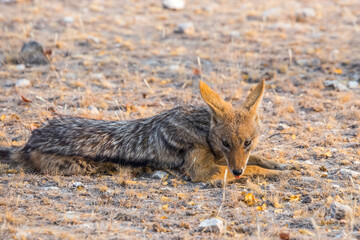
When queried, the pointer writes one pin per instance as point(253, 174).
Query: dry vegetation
point(122, 60)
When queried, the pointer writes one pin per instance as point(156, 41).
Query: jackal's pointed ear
point(253, 100)
point(215, 102)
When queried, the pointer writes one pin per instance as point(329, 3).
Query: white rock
point(341, 87)
point(22, 83)
point(20, 67)
point(347, 173)
point(98, 76)
point(93, 109)
point(215, 225)
point(353, 84)
point(235, 34)
point(308, 179)
point(174, 68)
point(185, 28)
point(309, 162)
point(271, 187)
point(77, 184)
point(335, 84)
point(68, 19)
point(173, 4)
point(305, 13)
point(159, 174)
point(282, 126)
point(339, 211)
point(51, 188)
point(271, 14)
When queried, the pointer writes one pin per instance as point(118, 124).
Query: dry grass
point(121, 60)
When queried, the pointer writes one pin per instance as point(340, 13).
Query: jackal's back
point(162, 140)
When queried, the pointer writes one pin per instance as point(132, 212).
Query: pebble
point(271, 14)
point(335, 84)
point(185, 28)
point(235, 34)
point(282, 126)
point(308, 162)
point(174, 68)
point(214, 225)
point(339, 211)
point(159, 175)
point(304, 14)
point(347, 173)
point(93, 109)
point(77, 184)
point(68, 19)
point(173, 4)
point(51, 188)
point(32, 53)
point(20, 67)
point(308, 179)
point(306, 199)
point(22, 83)
point(353, 84)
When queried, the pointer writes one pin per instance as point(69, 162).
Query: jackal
point(201, 141)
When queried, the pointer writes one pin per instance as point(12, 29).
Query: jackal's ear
point(253, 100)
point(215, 102)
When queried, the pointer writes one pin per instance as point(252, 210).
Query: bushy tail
point(5, 153)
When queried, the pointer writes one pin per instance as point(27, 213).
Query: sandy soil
point(122, 60)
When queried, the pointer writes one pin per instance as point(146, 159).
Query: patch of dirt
point(122, 60)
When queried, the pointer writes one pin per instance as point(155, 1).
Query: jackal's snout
point(237, 172)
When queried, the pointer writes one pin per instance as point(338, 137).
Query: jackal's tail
point(5, 153)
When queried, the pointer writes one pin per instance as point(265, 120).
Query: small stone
point(174, 68)
point(353, 84)
point(341, 87)
point(271, 187)
point(335, 85)
point(210, 8)
point(235, 34)
point(32, 53)
point(308, 162)
point(185, 28)
point(68, 19)
point(308, 179)
point(51, 188)
point(330, 83)
point(22, 83)
point(159, 175)
point(20, 67)
point(271, 14)
point(93, 110)
point(173, 4)
point(306, 199)
point(304, 14)
point(339, 211)
point(214, 225)
point(77, 184)
point(347, 173)
point(282, 126)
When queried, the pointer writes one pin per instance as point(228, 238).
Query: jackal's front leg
point(268, 164)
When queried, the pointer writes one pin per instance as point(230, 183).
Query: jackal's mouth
point(238, 177)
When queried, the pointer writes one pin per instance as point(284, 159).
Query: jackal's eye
point(226, 143)
point(247, 143)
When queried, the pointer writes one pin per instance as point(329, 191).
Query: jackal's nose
point(237, 172)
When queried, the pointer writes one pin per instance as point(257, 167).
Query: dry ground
point(122, 60)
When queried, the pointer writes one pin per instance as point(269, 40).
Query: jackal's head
point(234, 131)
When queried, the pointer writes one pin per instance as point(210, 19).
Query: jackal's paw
point(291, 173)
point(286, 167)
